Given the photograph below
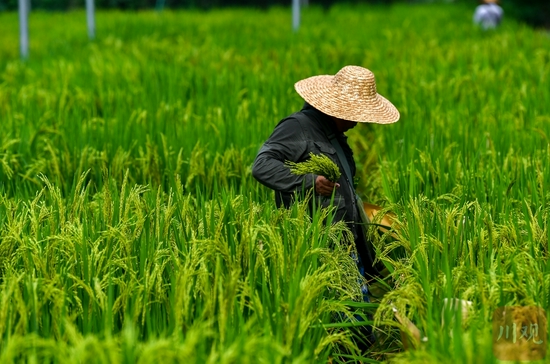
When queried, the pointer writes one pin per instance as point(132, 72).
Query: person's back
point(488, 15)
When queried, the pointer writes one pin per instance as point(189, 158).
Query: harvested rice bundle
point(318, 164)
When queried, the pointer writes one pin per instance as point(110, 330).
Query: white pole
point(24, 28)
point(295, 14)
point(90, 18)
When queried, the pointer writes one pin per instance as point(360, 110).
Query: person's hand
point(324, 186)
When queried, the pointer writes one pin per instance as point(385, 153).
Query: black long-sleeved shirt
point(293, 139)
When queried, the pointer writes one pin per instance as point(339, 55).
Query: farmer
point(488, 15)
point(333, 106)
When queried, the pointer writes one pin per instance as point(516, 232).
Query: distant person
point(488, 15)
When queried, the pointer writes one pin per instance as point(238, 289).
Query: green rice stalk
point(317, 164)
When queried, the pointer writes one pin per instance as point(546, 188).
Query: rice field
point(132, 231)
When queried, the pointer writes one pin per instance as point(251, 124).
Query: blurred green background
point(534, 12)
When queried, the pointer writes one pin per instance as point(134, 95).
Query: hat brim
point(319, 92)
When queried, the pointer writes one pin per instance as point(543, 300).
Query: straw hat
point(350, 95)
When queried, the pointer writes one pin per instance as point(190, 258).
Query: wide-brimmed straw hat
point(350, 95)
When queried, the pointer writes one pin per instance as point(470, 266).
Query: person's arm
point(478, 14)
point(287, 142)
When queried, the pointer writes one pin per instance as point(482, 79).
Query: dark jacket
point(293, 139)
